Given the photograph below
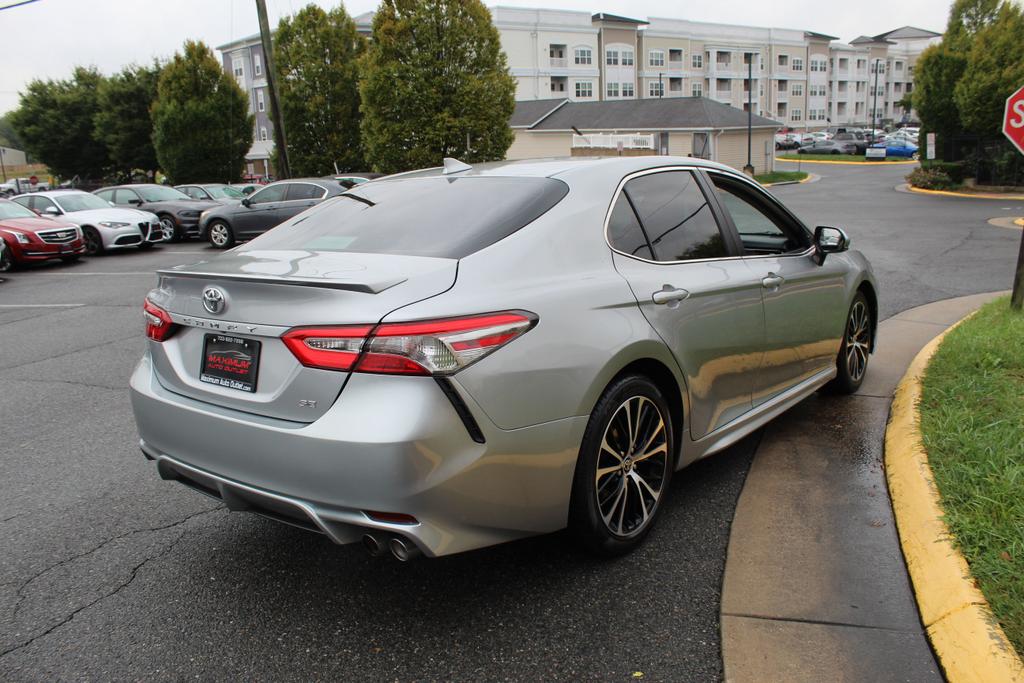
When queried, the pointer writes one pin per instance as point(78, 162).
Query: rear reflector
point(158, 322)
point(432, 347)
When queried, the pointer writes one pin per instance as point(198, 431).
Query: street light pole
point(283, 168)
point(749, 168)
point(874, 101)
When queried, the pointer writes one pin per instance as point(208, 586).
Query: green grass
point(833, 157)
point(780, 177)
point(972, 420)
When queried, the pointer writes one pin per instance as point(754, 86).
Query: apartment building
point(243, 58)
point(801, 78)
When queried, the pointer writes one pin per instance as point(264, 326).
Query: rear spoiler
point(372, 288)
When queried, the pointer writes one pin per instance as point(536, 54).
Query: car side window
point(194, 192)
point(625, 233)
point(270, 193)
point(24, 201)
point(676, 216)
point(762, 229)
point(106, 195)
point(298, 191)
point(41, 204)
point(123, 197)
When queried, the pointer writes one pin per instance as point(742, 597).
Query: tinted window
point(676, 216)
point(40, 204)
point(762, 229)
point(624, 231)
point(271, 193)
point(193, 192)
point(304, 191)
point(158, 193)
point(425, 216)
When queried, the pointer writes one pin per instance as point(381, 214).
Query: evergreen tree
point(55, 121)
point(995, 69)
point(202, 127)
point(938, 71)
point(315, 53)
point(435, 83)
point(123, 121)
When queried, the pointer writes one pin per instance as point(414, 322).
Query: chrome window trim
point(615, 199)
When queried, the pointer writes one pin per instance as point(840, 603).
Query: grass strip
point(972, 422)
point(780, 177)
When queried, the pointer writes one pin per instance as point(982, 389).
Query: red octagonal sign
point(1013, 119)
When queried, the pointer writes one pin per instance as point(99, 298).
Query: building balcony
point(559, 62)
point(609, 141)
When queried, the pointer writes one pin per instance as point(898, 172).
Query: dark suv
point(264, 209)
point(178, 213)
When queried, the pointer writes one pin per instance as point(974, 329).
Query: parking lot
point(109, 572)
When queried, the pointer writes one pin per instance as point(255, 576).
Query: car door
point(298, 198)
point(45, 206)
point(804, 303)
point(259, 212)
point(694, 288)
point(125, 197)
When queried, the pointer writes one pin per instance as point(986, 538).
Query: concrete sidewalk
point(815, 586)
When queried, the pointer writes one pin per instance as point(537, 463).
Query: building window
point(697, 90)
point(899, 66)
point(257, 64)
point(783, 60)
point(263, 133)
point(862, 64)
point(627, 58)
point(628, 90)
point(611, 90)
point(611, 57)
point(584, 89)
point(797, 89)
point(557, 86)
point(238, 68)
point(584, 56)
point(656, 58)
point(656, 89)
point(796, 115)
point(798, 64)
point(260, 104)
point(697, 61)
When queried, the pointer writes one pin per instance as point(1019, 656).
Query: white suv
point(103, 225)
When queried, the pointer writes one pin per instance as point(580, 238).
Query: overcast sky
point(47, 38)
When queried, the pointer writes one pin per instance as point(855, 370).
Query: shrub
point(956, 170)
point(931, 178)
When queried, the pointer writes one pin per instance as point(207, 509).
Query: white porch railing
point(610, 141)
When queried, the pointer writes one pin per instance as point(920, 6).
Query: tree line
point(431, 82)
point(961, 83)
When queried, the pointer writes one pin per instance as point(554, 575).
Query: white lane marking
point(41, 305)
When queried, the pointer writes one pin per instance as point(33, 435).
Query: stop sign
point(1013, 119)
point(33, 180)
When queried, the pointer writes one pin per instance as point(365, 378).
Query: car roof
point(117, 187)
point(53, 193)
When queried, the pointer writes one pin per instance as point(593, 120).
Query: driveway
point(108, 572)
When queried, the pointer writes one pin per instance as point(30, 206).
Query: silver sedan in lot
point(452, 358)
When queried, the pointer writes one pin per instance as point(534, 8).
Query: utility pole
point(283, 169)
point(3, 168)
point(749, 168)
point(661, 86)
point(874, 101)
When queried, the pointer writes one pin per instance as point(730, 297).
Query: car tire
point(7, 263)
point(220, 234)
point(855, 351)
point(616, 493)
point(169, 229)
point(93, 241)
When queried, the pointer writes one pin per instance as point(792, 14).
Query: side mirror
point(112, 204)
point(829, 240)
point(246, 202)
point(135, 202)
point(51, 211)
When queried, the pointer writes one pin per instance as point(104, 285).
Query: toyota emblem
point(213, 300)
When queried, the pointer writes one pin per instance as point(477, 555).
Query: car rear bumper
point(389, 444)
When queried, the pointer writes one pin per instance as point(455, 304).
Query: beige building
point(690, 126)
point(803, 79)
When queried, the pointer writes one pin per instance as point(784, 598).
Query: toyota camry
point(451, 358)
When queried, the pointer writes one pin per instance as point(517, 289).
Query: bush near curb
point(931, 179)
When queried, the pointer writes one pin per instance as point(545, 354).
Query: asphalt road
point(107, 572)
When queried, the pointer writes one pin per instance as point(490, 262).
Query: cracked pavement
point(107, 572)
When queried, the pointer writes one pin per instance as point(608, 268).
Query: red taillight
point(159, 325)
point(433, 347)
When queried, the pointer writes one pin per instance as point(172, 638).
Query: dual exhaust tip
point(402, 549)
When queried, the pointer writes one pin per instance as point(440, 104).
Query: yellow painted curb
point(848, 163)
point(803, 180)
point(969, 195)
point(968, 641)
point(1020, 222)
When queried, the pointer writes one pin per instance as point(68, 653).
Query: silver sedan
point(452, 358)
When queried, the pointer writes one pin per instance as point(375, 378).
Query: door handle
point(668, 294)
point(773, 281)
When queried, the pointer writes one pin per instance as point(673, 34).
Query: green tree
point(123, 122)
point(55, 122)
point(936, 75)
point(315, 53)
point(202, 127)
point(966, 18)
point(8, 136)
point(995, 68)
point(435, 83)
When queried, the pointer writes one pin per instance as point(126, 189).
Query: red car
point(30, 238)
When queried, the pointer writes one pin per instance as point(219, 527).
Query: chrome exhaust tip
point(374, 546)
point(404, 550)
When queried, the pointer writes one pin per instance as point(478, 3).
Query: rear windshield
point(433, 216)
